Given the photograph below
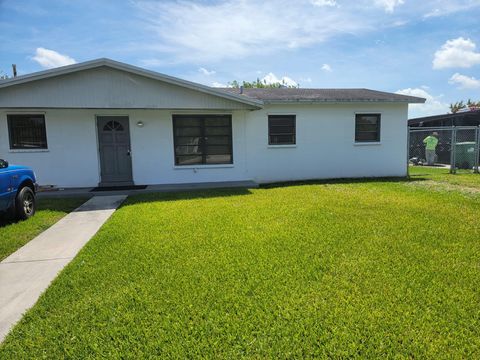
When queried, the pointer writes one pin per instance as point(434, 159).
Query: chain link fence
point(456, 148)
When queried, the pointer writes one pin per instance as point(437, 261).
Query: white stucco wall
point(325, 146)
point(153, 153)
point(72, 158)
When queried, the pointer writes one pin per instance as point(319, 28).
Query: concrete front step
point(150, 189)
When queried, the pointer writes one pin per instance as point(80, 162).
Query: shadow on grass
point(64, 205)
point(427, 176)
point(185, 195)
point(4, 220)
point(342, 181)
point(226, 192)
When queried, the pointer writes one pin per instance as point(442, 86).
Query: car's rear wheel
point(25, 203)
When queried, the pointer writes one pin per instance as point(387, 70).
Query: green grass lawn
point(14, 235)
point(370, 270)
point(442, 175)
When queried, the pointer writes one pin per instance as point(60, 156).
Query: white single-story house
point(104, 123)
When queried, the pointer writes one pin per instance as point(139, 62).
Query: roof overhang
point(343, 101)
point(324, 96)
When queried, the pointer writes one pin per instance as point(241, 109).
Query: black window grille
point(367, 127)
point(281, 130)
point(27, 131)
point(202, 139)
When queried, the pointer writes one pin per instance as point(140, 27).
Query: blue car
point(17, 191)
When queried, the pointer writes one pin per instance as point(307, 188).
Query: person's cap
point(435, 133)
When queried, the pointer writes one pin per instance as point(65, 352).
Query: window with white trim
point(27, 131)
point(281, 130)
point(367, 128)
point(202, 139)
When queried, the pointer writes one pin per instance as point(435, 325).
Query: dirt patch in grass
point(441, 186)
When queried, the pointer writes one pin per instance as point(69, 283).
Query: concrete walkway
point(25, 274)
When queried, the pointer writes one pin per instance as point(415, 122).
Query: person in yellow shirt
point(431, 143)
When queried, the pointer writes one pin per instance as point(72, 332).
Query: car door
point(5, 188)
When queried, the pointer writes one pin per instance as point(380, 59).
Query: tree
point(459, 105)
point(258, 84)
point(3, 76)
point(471, 103)
point(455, 107)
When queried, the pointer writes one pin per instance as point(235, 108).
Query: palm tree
point(455, 107)
point(459, 105)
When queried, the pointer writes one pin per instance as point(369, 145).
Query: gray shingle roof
point(275, 95)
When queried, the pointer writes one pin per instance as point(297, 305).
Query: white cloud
point(448, 7)
point(212, 32)
point(153, 62)
point(271, 78)
point(389, 5)
point(326, 67)
point(433, 105)
point(324, 2)
point(50, 59)
point(209, 32)
point(398, 23)
point(206, 72)
point(34, 10)
point(458, 52)
point(218, 85)
point(464, 82)
point(433, 13)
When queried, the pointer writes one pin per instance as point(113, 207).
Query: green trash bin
point(465, 155)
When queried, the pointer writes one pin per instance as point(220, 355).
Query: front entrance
point(114, 148)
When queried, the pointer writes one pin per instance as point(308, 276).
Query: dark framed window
point(281, 130)
point(367, 127)
point(202, 139)
point(27, 131)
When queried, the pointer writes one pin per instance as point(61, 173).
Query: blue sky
point(429, 48)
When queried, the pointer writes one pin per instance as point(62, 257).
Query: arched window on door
point(113, 125)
